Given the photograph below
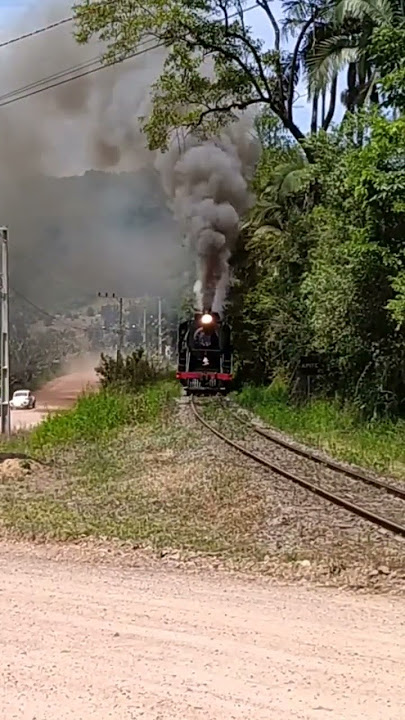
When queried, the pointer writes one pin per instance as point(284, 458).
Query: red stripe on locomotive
point(198, 375)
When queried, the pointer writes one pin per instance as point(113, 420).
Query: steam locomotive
point(204, 354)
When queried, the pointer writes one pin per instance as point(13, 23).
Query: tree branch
point(256, 56)
point(225, 11)
point(210, 47)
point(266, 7)
point(314, 118)
point(226, 108)
point(293, 65)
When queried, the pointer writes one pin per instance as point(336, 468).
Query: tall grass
point(100, 413)
point(326, 424)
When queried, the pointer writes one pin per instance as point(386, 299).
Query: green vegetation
point(125, 470)
point(340, 431)
point(130, 372)
point(319, 266)
point(120, 466)
point(99, 414)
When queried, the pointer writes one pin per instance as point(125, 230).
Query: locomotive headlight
point(206, 319)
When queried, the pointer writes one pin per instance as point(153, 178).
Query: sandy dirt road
point(88, 642)
point(57, 394)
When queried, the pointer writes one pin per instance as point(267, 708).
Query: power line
point(55, 76)
point(37, 31)
point(45, 28)
point(33, 89)
point(63, 81)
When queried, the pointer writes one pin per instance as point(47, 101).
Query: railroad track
point(318, 489)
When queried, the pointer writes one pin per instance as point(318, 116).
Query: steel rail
point(315, 489)
point(327, 462)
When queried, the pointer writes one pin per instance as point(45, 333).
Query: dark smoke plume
point(208, 185)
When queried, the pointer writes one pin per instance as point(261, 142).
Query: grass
point(325, 424)
point(127, 469)
point(101, 413)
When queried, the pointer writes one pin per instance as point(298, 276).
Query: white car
point(23, 400)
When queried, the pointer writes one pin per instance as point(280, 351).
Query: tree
point(311, 20)
point(387, 51)
point(213, 68)
point(348, 43)
point(319, 265)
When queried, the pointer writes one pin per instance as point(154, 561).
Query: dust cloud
point(72, 236)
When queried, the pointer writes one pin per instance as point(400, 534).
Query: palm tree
point(312, 20)
point(351, 26)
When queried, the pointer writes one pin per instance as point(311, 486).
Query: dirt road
point(91, 642)
point(55, 395)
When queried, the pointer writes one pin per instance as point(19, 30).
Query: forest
point(319, 266)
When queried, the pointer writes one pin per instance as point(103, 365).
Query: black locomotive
point(204, 354)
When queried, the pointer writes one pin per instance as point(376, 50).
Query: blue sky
point(9, 10)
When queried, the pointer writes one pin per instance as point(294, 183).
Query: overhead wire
point(50, 26)
point(15, 95)
point(60, 78)
point(37, 31)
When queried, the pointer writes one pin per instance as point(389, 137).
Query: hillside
point(70, 237)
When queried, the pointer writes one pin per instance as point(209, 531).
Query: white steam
point(208, 185)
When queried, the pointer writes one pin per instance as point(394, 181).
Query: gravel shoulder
point(83, 639)
point(304, 534)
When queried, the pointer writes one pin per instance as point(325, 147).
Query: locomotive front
point(204, 354)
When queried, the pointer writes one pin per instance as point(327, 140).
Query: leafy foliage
point(213, 64)
point(320, 260)
point(129, 373)
point(388, 52)
point(320, 265)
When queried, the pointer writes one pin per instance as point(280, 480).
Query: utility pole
point(144, 330)
point(160, 337)
point(4, 350)
point(120, 342)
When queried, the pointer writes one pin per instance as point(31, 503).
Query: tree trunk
point(314, 118)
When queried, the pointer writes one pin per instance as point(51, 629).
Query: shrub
point(129, 373)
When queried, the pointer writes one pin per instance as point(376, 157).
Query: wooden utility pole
point(160, 335)
point(144, 330)
point(4, 350)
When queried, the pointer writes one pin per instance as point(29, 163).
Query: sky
point(10, 9)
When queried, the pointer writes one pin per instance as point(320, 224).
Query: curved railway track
point(353, 507)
